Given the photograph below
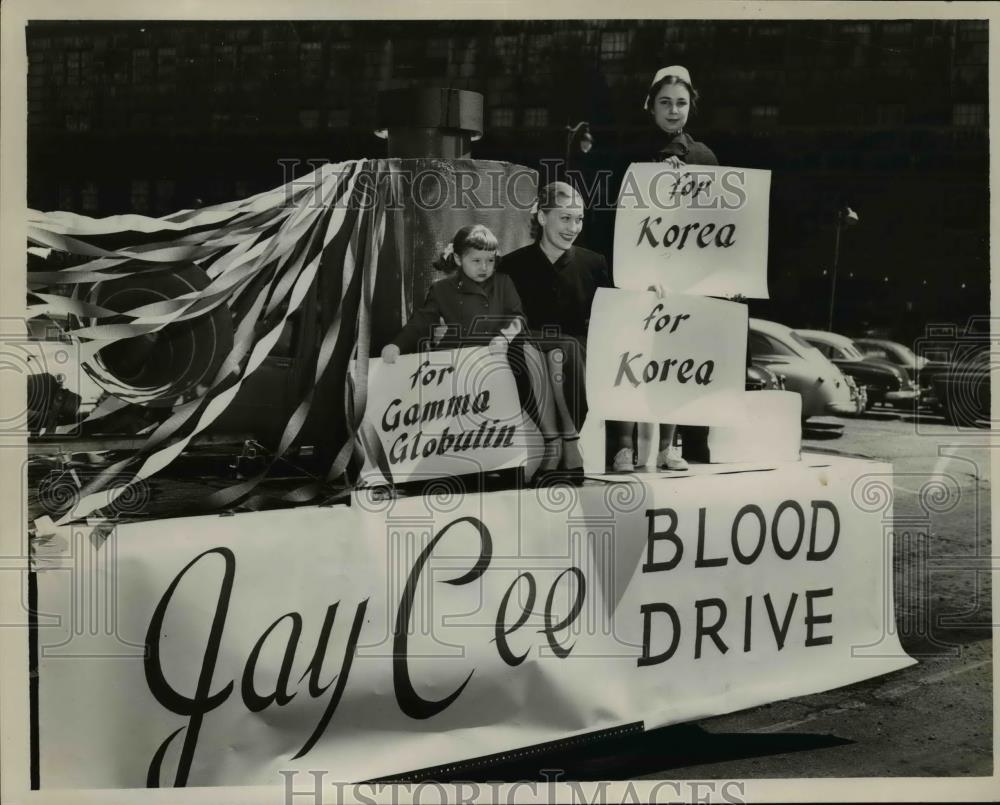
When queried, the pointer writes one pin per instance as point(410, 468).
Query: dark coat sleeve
point(706, 156)
point(602, 277)
point(421, 323)
point(511, 299)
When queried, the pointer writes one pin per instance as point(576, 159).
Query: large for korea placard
point(678, 359)
point(440, 414)
point(696, 230)
point(393, 635)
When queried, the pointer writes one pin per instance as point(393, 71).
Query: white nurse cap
point(676, 71)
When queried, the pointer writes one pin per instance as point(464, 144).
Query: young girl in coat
point(472, 303)
point(476, 305)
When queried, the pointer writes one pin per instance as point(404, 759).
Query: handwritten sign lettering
point(442, 414)
point(679, 359)
point(697, 230)
point(374, 642)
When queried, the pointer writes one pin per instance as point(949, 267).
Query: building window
point(310, 61)
point(764, 114)
point(501, 117)
point(88, 197)
point(164, 189)
point(972, 46)
point(340, 59)
point(727, 117)
point(613, 45)
point(506, 48)
point(464, 62)
point(436, 60)
point(536, 117)
point(309, 119)
point(142, 66)
point(859, 31)
point(897, 30)
point(969, 114)
point(140, 195)
point(891, 114)
point(72, 69)
point(166, 64)
point(406, 58)
point(338, 118)
point(851, 114)
point(141, 121)
point(67, 197)
point(77, 122)
point(539, 44)
point(225, 62)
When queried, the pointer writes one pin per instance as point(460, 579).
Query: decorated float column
point(255, 319)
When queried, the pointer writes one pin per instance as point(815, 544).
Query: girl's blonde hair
point(552, 195)
point(474, 236)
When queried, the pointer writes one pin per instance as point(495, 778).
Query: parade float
point(336, 626)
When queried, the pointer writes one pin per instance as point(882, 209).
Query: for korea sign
point(696, 230)
point(678, 359)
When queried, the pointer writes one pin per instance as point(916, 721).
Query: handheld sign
point(697, 230)
point(440, 414)
point(679, 359)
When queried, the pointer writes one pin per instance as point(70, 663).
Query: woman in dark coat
point(669, 101)
point(557, 281)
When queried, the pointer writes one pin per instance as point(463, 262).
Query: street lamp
point(580, 137)
point(845, 217)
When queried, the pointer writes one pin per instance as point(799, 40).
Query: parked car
point(884, 381)
point(918, 367)
point(859, 394)
point(760, 378)
point(822, 386)
point(962, 391)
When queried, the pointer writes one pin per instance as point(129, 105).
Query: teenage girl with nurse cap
point(669, 100)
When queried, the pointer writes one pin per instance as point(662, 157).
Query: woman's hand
point(498, 345)
point(659, 290)
point(440, 331)
point(389, 353)
point(674, 162)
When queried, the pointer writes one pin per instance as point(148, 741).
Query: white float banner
point(676, 359)
point(389, 636)
point(697, 230)
point(442, 414)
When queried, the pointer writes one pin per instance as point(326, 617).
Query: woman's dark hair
point(666, 80)
point(473, 236)
point(552, 195)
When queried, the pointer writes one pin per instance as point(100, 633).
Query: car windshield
point(890, 350)
point(798, 339)
point(851, 352)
